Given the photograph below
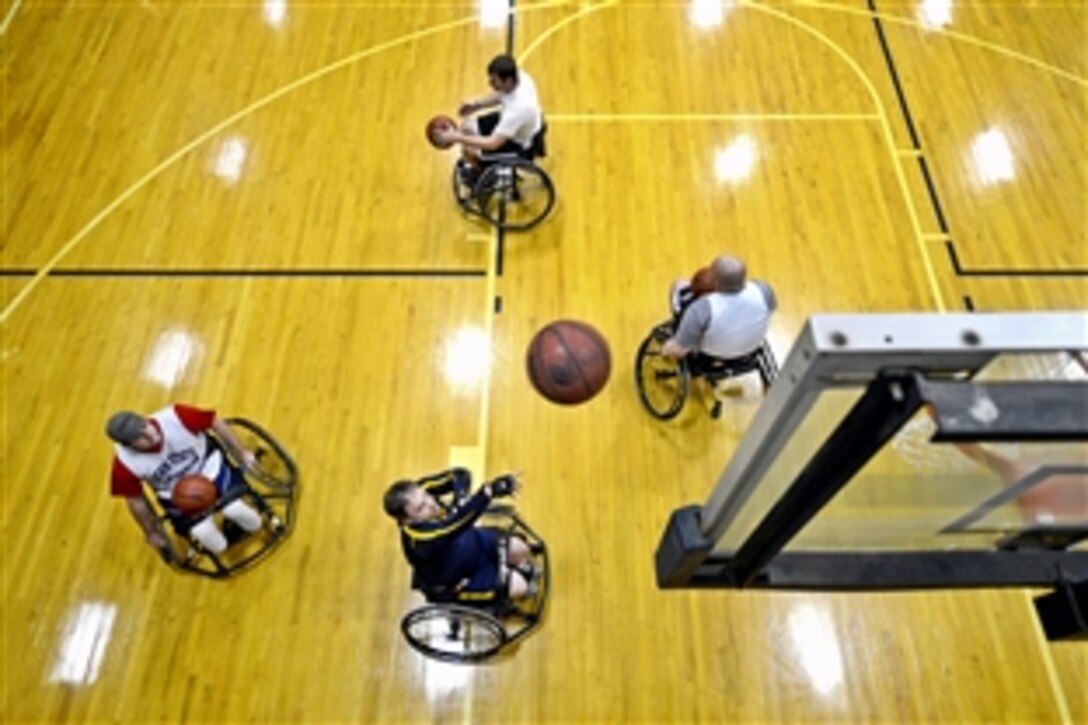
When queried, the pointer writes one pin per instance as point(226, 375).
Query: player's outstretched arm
point(470, 107)
point(243, 454)
point(145, 518)
point(455, 481)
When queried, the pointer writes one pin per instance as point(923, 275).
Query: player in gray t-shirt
point(731, 321)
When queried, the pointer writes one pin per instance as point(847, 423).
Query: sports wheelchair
point(664, 382)
point(270, 487)
point(453, 627)
point(509, 189)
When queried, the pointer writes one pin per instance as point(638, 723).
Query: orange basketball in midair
point(568, 362)
point(193, 494)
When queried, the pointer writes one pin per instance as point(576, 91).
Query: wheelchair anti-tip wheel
point(662, 381)
point(514, 194)
point(453, 633)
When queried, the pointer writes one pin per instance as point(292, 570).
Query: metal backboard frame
point(900, 361)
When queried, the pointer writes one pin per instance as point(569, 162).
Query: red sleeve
point(124, 482)
point(197, 420)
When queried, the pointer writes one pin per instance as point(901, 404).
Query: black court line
point(904, 107)
point(500, 246)
point(962, 271)
point(247, 273)
point(931, 187)
point(510, 28)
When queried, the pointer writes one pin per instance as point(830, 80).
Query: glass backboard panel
point(830, 408)
point(917, 495)
point(895, 504)
point(1048, 366)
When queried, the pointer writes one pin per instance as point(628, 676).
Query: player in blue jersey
point(437, 518)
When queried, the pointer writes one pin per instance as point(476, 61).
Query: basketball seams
point(573, 361)
point(539, 375)
point(598, 339)
point(568, 362)
point(536, 358)
point(194, 494)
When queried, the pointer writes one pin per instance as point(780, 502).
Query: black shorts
point(485, 580)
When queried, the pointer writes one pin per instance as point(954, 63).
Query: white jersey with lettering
point(182, 453)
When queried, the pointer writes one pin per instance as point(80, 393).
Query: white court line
point(260, 103)
point(11, 15)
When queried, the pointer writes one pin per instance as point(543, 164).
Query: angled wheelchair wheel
point(453, 633)
point(662, 381)
point(515, 194)
point(463, 193)
point(275, 468)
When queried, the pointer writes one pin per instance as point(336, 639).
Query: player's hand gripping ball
point(436, 127)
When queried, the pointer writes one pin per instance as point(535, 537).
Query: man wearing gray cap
point(731, 321)
point(164, 447)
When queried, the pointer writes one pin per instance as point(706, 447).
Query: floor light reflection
point(84, 640)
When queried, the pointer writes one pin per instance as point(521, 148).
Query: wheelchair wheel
point(515, 194)
point(453, 633)
point(275, 468)
point(662, 381)
point(462, 192)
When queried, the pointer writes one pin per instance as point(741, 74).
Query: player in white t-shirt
point(513, 128)
point(160, 450)
point(728, 323)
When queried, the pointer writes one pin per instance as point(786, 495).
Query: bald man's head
point(730, 273)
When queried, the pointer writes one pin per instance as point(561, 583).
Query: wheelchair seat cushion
point(461, 593)
point(716, 367)
point(538, 149)
point(478, 582)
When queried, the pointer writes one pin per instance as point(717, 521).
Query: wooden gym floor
point(231, 204)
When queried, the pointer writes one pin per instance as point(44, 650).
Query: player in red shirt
point(160, 450)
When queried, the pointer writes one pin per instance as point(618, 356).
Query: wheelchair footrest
point(467, 173)
point(233, 532)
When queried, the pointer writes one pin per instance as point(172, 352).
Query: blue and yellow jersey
point(455, 481)
point(445, 550)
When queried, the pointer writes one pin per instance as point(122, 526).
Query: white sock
point(209, 536)
point(242, 514)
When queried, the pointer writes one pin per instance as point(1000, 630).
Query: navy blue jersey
point(446, 550)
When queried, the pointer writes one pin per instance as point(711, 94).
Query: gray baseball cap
point(125, 427)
